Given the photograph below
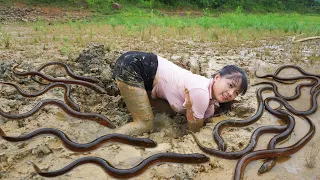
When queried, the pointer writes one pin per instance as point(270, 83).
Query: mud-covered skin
point(194, 124)
point(134, 73)
point(138, 104)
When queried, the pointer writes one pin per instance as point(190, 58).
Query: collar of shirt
point(212, 101)
point(211, 82)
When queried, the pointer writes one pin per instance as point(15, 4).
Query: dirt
point(31, 13)
point(169, 130)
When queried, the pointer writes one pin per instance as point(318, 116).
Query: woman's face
point(227, 88)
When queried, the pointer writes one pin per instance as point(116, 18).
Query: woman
point(196, 96)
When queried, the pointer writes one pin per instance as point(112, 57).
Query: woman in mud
point(196, 96)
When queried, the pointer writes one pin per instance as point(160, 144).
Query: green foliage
point(141, 20)
point(102, 6)
point(206, 12)
point(248, 5)
point(105, 6)
point(6, 39)
point(65, 50)
point(148, 3)
point(65, 39)
point(6, 2)
point(233, 21)
point(56, 2)
point(199, 3)
point(40, 25)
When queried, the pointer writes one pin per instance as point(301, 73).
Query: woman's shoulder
point(197, 81)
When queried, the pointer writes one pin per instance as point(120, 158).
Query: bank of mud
point(170, 130)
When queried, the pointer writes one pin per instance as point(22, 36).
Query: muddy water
point(293, 166)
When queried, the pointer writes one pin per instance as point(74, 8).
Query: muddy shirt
point(170, 83)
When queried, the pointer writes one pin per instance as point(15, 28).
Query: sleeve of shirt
point(200, 102)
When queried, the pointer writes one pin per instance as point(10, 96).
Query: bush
point(245, 5)
point(100, 5)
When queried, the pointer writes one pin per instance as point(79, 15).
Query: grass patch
point(7, 39)
point(39, 25)
point(65, 50)
point(148, 26)
point(288, 23)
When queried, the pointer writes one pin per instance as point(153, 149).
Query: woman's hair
point(232, 72)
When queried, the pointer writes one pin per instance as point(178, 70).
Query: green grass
point(144, 25)
point(6, 39)
point(138, 20)
point(228, 29)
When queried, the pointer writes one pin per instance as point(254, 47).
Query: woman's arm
point(194, 124)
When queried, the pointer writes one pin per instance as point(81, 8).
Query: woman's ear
point(217, 77)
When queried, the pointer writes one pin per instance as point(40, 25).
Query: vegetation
point(145, 24)
point(5, 39)
point(234, 21)
point(229, 29)
point(257, 6)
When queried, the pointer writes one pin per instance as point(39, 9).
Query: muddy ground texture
point(169, 130)
point(26, 13)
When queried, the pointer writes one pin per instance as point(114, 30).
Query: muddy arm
point(194, 124)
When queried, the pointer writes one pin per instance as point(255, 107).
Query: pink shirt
point(170, 83)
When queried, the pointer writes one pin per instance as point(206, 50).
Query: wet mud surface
point(169, 130)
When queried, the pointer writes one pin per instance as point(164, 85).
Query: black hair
point(232, 72)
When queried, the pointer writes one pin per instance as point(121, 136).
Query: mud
point(169, 130)
point(20, 12)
